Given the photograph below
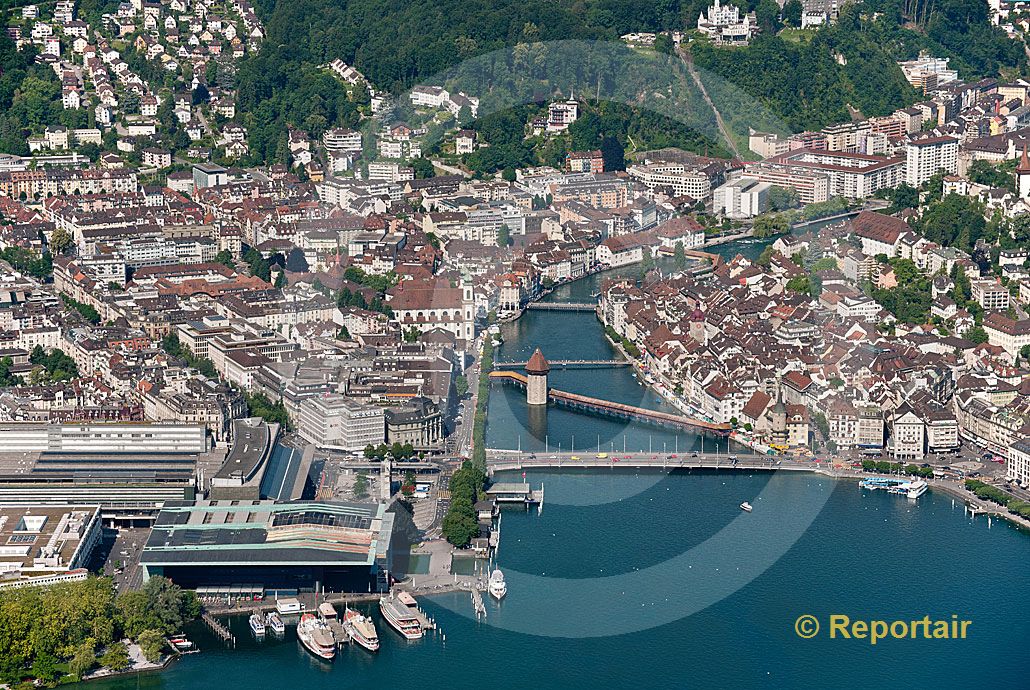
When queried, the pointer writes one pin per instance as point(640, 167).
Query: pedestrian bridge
point(614, 409)
point(583, 363)
point(562, 306)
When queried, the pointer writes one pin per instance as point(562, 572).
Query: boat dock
point(477, 602)
point(328, 613)
point(425, 621)
point(516, 492)
point(223, 633)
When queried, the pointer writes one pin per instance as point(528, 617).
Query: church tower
point(536, 379)
point(697, 326)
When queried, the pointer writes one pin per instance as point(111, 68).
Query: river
point(628, 579)
point(579, 335)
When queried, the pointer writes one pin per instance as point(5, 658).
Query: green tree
point(765, 258)
point(783, 198)
point(44, 669)
point(224, 257)
point(800, 284)
point(679, 255)
point(361, 485)
point(792, 10)
point(115, 657)
point(408, 485)
point(770, 224)
point(84, 658)
point(767, 14)
point(902, 197)
point(423, 168)
point(461, 385)
point(6, 377)
point(152, 644)
point(977, 335)
point(160, 605)
point(260, 405)
point(60, 241)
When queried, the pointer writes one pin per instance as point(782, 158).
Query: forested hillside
point(807, 82)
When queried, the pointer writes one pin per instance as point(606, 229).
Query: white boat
point(361, 629)
point(497, 586)
point(316, 637)
point(257, 624)
point(274, 621)
point(917, 488)
point(746, 507)
point(181, 642)
point(400, 617)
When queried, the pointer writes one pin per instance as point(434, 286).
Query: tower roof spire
point(1024, 162)
point(537, 364)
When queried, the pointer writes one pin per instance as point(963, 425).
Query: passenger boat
point(400, 616)
point(917, 488)
point(316, 637)
point(257, 624)
point(361, 629)
point(497, 586)
point(746, 507)
point(274, 621)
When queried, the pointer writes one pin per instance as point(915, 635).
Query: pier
point(477, 602)
point(515, 492)
point(613, 409)
point(223, 633)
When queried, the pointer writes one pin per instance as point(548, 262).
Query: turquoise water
point(628, 580)
point(866, 554)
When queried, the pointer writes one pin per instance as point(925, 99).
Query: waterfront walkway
point(614, 409)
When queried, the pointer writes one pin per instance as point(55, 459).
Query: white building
point(338, 422)
point(927, 156)
point(724, 24)
point(680, 179)
point(908, 434)
point(1018, 468)
point(742, 198)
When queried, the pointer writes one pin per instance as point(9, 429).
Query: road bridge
point(499, 460)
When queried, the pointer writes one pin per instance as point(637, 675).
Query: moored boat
point(180, 642)
point(917, 488)
point(912, 488)
point(400, 616)
point(274, 621)
point(746, 507)
point(497, 586)
point(316, 637)
point(361, 629)
point(257, 624)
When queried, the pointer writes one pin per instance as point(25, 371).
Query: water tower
point(536, 379)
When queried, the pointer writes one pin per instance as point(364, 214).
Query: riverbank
point(986, 507)
point(138, 664)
